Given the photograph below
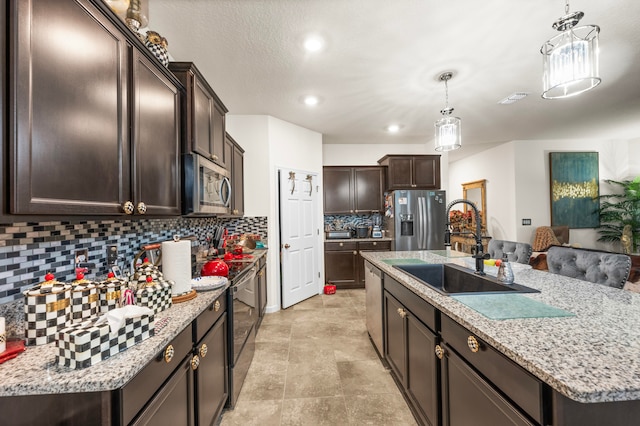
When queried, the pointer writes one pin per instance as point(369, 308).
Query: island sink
point(448, 279)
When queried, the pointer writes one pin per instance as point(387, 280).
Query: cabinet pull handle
point(195, 362)
point(473, 344)
point(168, 354)
point(216, 306)
point(142, 208)
point(203, 350)
point(402, 312)
point(440, 352)
point(128, 207)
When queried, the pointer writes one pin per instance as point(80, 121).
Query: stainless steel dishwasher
point(373, 289)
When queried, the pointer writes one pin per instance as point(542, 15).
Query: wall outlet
point(526, 222)
point(112, 255)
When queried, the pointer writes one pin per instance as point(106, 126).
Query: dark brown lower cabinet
point(211, 376)
point(409, 350)
point(262, 290)
point(173, 404)
point(468, 399)
point(343, 263)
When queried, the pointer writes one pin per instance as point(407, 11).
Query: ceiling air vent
point(514, 97)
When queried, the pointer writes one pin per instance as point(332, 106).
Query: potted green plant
point(620, 214)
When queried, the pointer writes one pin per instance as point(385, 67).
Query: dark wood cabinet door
point(422, 382)
point(400, 173)
point(156, 136)
point(211, 379)
point(68, 111)
point(173, 404)
point(202, 119)
point(218, 133)
point(369, 246)
point(340, 265)
point(237, 181)
point(338, 190)
point(426, 172)
point(368, 187)
point(262, 291)
point(395, 350)
point(469, 400)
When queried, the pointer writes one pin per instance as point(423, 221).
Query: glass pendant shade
point(448, 133)
point(570, 62)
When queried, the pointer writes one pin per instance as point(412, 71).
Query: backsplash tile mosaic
point(30, 249)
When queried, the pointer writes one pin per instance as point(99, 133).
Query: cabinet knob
point(128, 207)
point(195, 362)
point(216, 306)
point(168, 353)
point(402, 312)
point(375, 243)
point(214, 157)
point(203, 350)
point(235, 211)
point(440, 352)
point(341, 244)
point(351, 211)
point(473, 344)
point(142, 208)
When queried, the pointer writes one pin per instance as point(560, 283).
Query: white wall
point(270, 144)
point(518, 184)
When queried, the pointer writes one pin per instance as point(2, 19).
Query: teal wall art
point(574, 189)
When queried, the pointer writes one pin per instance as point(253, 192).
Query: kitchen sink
point(449, 278)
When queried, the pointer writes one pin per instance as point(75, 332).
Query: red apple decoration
point(215, 268)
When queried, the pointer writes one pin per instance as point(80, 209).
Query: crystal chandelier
point(448, 130)
point(570, 59)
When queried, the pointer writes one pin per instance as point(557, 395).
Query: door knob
point(287, 246)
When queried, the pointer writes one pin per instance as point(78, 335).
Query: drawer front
point(375, 245)
point(135, 394)
point(518, 384)
point(209, 316)
point(340, 246)
point(417, 306)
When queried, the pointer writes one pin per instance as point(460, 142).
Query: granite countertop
point(355, 240)
point(35, 371)
point(593, 356)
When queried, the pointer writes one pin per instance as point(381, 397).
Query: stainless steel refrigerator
point(415, 219)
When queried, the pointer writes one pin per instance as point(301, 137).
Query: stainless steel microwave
point(206, 187)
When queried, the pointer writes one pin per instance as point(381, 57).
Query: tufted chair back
point(521, 251)
point(610, 269)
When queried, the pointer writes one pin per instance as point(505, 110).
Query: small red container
point(329, 289)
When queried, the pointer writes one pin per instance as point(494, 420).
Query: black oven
point(243, 317)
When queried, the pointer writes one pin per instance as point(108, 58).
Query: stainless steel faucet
point(479, 254)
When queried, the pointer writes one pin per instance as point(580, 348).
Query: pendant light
point(570, 59)
point(448, 129)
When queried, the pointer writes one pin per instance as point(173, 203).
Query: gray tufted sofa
point(610, 269)
point(521, 251)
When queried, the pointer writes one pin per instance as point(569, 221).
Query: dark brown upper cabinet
point(235, 165)
point(353, 189)
point(93, 115)
point(204, 115)
point(412, 171)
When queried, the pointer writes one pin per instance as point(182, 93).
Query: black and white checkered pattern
point(84, 303)
point(110, 293)
point(46, 314)
point(159, 52)
point(156, 297)
point(84, 344)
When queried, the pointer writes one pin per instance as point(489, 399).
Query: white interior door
point(298, 236)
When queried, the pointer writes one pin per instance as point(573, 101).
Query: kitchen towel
point(176, 265)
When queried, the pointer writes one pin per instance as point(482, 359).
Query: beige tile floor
point(314, 365)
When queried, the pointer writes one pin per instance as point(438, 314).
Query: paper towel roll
point(3, 336)
point(176, 265)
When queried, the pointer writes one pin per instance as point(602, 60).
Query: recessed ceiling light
point(311, 100)
point(313, 43)
point(514, 97)
point(393, 128)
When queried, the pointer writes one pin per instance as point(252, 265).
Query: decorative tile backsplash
point(30, 249)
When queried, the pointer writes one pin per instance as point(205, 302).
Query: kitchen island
point(588, 362)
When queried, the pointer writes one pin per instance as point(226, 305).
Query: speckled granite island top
point(35, 371)
point(593, 356)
